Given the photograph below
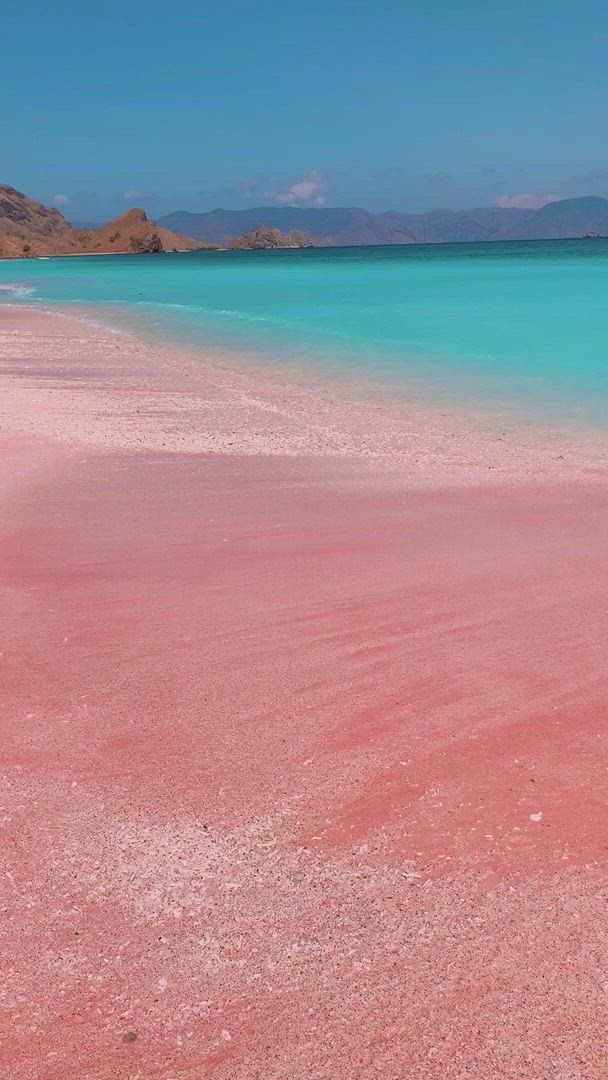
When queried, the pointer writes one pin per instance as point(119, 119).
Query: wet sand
point(304, 745)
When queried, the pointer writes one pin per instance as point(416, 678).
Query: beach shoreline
point(304, 743)
point(224, 403)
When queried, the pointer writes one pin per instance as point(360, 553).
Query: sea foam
point(14, 288)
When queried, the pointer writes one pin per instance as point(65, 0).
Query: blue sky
point(386, 105)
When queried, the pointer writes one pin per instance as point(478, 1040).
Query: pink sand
point(304, 745)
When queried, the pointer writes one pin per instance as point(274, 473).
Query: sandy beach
point(304, 752)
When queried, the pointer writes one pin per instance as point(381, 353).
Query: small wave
point(159, 303)
point(99, 323)
point(90, 320)
point(11, 288)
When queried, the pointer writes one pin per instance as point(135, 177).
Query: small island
point(262, 237)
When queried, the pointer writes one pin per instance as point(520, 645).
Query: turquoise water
point(520, 324)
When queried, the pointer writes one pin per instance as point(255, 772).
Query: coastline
point(304, 752)
point(198, 402)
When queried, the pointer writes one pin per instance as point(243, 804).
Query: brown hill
point(29, 228)
point(262, 237)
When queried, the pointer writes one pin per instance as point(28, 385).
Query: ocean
point(515, 326)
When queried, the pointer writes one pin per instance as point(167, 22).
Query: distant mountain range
point(29, 228)
point(341, 226)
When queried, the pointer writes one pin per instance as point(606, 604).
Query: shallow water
point(520, 325)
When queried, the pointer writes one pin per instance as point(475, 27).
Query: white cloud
point(526, 201)
point(131, 194)
point(305, 189)
point(60, 200)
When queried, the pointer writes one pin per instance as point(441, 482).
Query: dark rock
point(261, 238)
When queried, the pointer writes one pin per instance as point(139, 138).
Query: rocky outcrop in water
point(263, 237)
